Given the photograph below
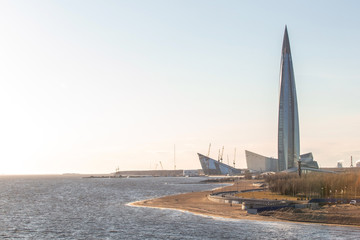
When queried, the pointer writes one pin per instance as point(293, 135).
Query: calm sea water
point(76, 208)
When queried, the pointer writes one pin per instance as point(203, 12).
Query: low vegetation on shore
point(344, 214)
point(265, 195)
point(316, 185)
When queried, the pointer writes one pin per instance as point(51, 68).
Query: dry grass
point(265, 195)
point(319, 185)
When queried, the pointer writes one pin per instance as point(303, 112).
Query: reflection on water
point(75, 208)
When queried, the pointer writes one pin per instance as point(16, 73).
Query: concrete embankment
point(252, 205)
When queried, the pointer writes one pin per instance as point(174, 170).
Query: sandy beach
point(198, 203)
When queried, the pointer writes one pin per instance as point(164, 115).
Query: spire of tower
point(286, 42)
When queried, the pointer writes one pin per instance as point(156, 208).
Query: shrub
point(319, 185)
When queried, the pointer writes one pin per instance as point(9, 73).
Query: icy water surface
point(76, 208)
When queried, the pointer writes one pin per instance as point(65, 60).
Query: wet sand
point(198, 203)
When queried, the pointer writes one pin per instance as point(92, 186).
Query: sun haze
point(87, 86)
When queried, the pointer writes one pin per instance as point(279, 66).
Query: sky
point(89, 86)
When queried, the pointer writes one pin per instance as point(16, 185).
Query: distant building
point(214, 167)
point(307, 161)
point(191, 173)
point(357, 164)
point(339, 164)
point(260, 163)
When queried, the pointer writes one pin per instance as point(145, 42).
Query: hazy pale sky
point(87, 86)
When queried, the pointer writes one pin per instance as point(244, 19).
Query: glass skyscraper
point(288, 128)
point(288, 132)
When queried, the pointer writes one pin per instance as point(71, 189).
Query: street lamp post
point(322, 192)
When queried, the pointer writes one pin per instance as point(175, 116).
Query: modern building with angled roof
point(259, 163)
point(215, 167)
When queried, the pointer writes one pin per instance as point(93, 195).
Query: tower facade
point(288, 125)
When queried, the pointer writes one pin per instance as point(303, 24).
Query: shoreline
point(134, 204)
point(197, 203)
point(163, 203)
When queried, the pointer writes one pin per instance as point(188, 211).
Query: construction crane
point(117, 170)
point(174, 159)
point(209, 150)
point(222, 153)
point(234, 157)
